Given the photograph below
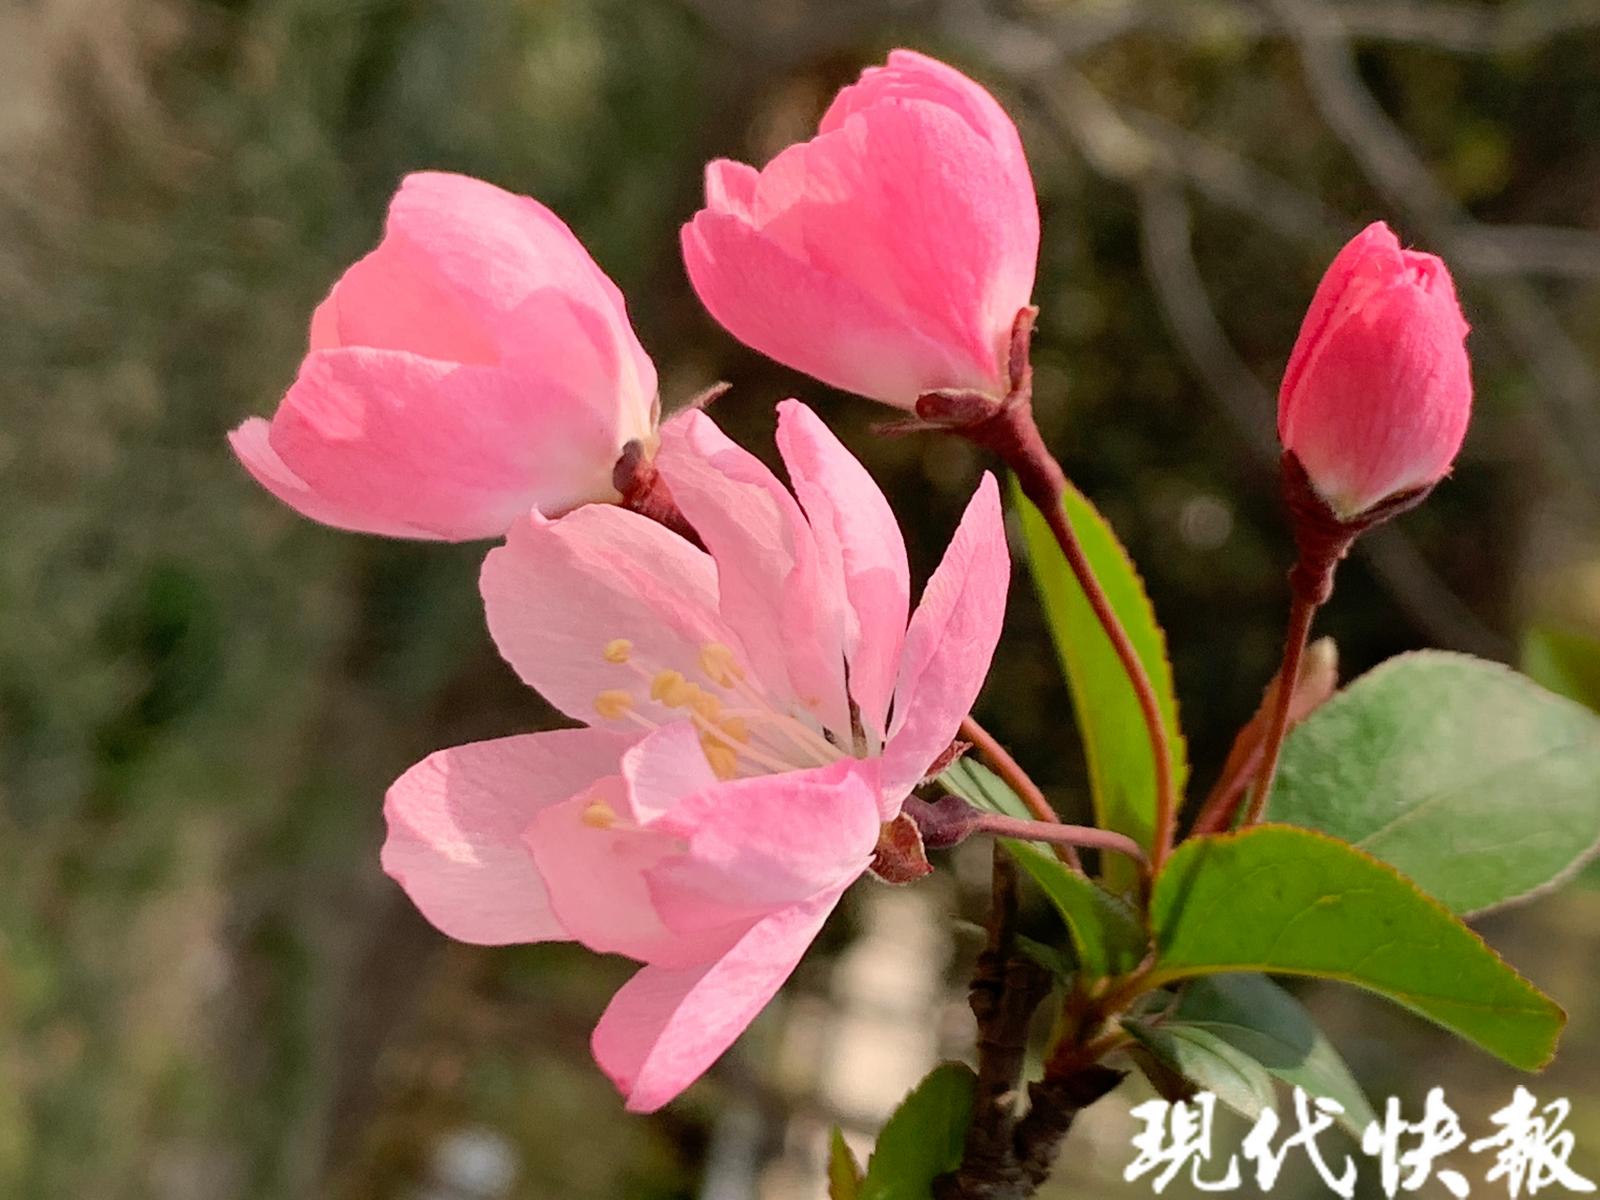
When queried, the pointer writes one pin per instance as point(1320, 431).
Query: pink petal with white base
point(774, 588)
point(845, 506)
point(456, 821)
point(949, 644)
point(558, 593)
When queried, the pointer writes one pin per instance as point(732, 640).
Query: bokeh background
point(207, 988)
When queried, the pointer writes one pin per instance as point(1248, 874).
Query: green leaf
point(1565, 661)
point(844, 1175)
point(1258, 1018)
point(1292, 902)
point(1209, 1062)
point(1473, 781)
point(923, 1138)
point(1116, 744)
point(1106, 932)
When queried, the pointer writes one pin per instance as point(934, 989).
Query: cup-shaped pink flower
point(477, 364)
point(890, 254)
point(754, 712)
point(1377, 394)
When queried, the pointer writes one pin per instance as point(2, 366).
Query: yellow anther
point(705, 704)
point(719, 664)
point(723, 761)
point(617, 650)
point(668, 688)
point(613, 704)
point(735, 728)
point(599, 815)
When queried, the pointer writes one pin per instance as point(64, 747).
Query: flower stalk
point(1007, 429)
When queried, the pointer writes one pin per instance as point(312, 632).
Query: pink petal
point(913, 76)
point(948, 645)
point(252, 445)
point(456, 821)
point(666, 1026)
point(804, 317)
point(907, 201)
point(415, 447)
point(598, 879)
point(395, 299)
point(661, 770)
point(559, 592)
point(844, 505)
point(774, 588)
point(502, 253)
point(756, 844)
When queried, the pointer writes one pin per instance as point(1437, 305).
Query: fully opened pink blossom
point(754, 711)
point(889, 255)
point(475, 365)
point(1378, 390)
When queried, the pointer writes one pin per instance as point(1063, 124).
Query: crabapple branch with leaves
point(762, 718)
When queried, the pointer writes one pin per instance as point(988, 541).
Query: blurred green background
point(207, 988)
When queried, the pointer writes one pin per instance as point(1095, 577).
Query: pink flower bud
point(890, 254)
point(477, 364)
point(1377, 393)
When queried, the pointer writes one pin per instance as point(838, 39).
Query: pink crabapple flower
point(1378, 390)
point(754, 712)
point(475, 365)
point(890, 254)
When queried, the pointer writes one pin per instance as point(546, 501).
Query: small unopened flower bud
point(1376, 396)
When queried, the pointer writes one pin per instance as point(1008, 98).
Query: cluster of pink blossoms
point(756, 698)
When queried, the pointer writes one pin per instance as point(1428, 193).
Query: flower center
point(743, 731)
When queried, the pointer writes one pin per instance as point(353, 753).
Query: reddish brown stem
point(999, 760)
point(1323, 538)
point(1057, 834)
point(1012, 434)
point(1301, 611)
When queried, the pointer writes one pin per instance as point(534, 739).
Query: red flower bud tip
point(1378, 390)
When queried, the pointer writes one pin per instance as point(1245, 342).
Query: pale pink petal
point(456, 821)
point(662, 769)
point(948, 645)
point(665, 1026)
point(841, 500)
point(558, 593)
point(760, 843)
point(598, 879)
point(826, 326)
point(774, 588)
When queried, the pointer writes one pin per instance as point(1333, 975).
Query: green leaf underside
point(1565, 661)
point(923, 1137)
point(1259, 1019)
point(1288, 901)
point(1470, 779)
point(1116, 743)
point(1106, 934)
point(844, 1176)
point(982, 788)
point(1209, 1062)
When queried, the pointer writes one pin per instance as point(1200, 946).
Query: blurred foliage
point(206, 987)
